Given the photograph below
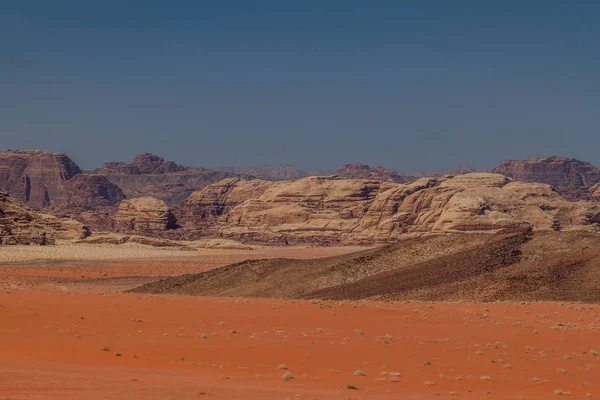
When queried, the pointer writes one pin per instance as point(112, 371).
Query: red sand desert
point(75, 345)
point(68, 332)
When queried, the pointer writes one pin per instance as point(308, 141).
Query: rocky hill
point(548, 266)
point(144, 163)
point(150, 175)
point(41, 179)
point(144, 215)
point(35, 177)
point(21, 225)
point(569, 176)
point(333, 210)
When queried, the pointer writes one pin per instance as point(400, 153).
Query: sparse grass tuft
point(106, 348)
point(282, 366)
point(287, 376)
point(351, 387)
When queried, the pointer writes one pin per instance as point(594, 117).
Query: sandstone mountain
point(363, 171)
point(21, 225)
point(569, 176)
point(542, 266)
point(144, 215)
point(334, 210)
point(268, 172)
point(150, 175)
point(40, 179)
point(89, 190)
point(35, 177)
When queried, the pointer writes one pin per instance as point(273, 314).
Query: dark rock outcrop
point(569, 176)
point(90, 190)
point(145, 163)
point(150, 175)
point(35, 178)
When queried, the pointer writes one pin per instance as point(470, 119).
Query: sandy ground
point(177, 347)
point(66, 332)
point(103, 252)
point(112, 268)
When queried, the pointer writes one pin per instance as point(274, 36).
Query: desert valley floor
point(68, 331)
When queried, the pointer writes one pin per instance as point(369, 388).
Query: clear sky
point(412, 85)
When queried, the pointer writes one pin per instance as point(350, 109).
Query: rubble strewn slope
point(548, 266)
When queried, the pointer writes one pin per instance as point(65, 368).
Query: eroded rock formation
point(330, 209)
point(150, 175)
point(569, 176)
point(21, 225)
point(35, 177)
point(144, 215)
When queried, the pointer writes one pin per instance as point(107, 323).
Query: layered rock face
point(54, 182)
point(145, 163)
point(90, 191)
point(150, 175)
point(363, 171)
point(21, 225)
point(567, 175)
point(144, 215)
point(334, 210)
point(204, 208)
point(35, 177)
point(595, 191)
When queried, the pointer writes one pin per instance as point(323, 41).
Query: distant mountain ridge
point(268, 172)
point(281, 204)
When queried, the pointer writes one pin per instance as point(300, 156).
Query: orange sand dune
point(52, 348)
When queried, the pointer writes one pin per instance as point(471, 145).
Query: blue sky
point(412, 85)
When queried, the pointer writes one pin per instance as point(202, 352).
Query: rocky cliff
point(90, 191)
point(52, 180)
point(335, 210)
point(144, 215)
point(569, 176)
point(21, 225)
point(35, 177)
